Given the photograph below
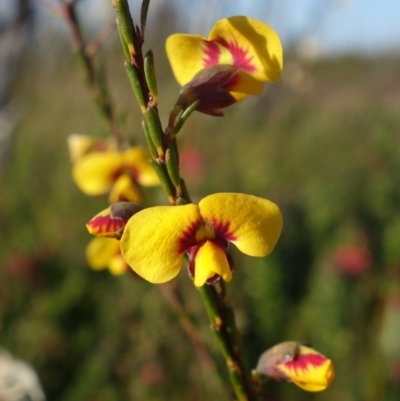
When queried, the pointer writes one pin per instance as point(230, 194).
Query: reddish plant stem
point(97, 87)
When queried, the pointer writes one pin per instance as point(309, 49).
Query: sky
point(336, 26)
point(331, 26)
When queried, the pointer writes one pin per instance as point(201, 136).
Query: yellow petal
point(210, 260)
point(185, 53)
point(310, 370)
point(94, 173)
point(78, 145)
point(124, 189)
point(100, 251)
point(117, 265)
point(153, 240)
point(253, 224)
point(138, 159)
point(255, 46)
point(246, 85)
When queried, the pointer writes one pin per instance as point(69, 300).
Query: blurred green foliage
point(324, 146)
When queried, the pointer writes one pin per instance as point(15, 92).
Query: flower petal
point(255, 47)
point(104, 224)
point(80, 145)
point(186, 54)
point(124, 189)
point(94, 173)
point(117, 265)
point(138, 159)
point(210, 260)
point(246, 85)
point(310, 370)
point(152, 240)
point(100, 251)
point(253, 224)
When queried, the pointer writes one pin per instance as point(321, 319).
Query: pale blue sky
point(366, 26)
point(337, 26)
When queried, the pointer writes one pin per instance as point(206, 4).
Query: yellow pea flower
point(154, 240)
point(102, 253)
point(249, 45)
point(294, 362)
point(114, 172)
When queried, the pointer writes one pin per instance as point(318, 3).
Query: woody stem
point(93, 79)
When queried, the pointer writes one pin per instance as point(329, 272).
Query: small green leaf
point(162, 177)
point(125, 25)
point(150, 74)
point(154, 127)
point(171, 161)
point(150, 144)
point(135, 84)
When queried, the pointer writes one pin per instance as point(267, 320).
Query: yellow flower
point(80, 145)
point(114, 172)
point(297, 363)
point(102, 253)
point(155, 239)
point(251, 46)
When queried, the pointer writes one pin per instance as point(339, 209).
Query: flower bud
point(124, 210)
point(294, 362)
point(111, 221)
point(210, 87)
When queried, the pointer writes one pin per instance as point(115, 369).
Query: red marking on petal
point(304, 361)
point(188, 237)
point(223, 231)
point(212, 53)
point(241, 59)
point(105, 225)
point(125, 169)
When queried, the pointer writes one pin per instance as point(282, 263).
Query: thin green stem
point(223, 326)
point(184, 116)
point(220, 313)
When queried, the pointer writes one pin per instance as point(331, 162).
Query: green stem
point(184, 116)
point(223, 326)
point(220, 313)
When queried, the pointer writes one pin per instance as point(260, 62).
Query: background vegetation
point(322, 143)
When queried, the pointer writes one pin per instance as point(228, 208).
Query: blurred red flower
point(353, 260)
